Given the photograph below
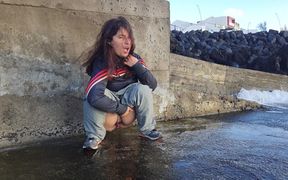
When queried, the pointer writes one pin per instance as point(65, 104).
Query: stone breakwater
point(262, 51)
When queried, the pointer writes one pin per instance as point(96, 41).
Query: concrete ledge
point(145, 8)
point(202, 88)
point(26, 119)
point(212, 78)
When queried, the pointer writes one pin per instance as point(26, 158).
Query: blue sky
point(248, 13)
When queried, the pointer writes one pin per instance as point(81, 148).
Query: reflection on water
point(122, 155)
point(251, 145)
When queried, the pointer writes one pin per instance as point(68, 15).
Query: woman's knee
point(143, 90)
point(128, 118)
point(111, 121)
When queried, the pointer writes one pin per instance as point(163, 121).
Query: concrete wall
point(201, 88)
point(41, 81)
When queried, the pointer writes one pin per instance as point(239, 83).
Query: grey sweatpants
point(135, 95)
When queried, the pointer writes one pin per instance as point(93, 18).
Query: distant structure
point(212, 24)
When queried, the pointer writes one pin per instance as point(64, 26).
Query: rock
point(263, 51)
point(283, 55)
point(272, 31)
point(281, 41)
point(271, 39)
point(284, 34)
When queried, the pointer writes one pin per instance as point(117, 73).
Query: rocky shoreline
point(262, 51)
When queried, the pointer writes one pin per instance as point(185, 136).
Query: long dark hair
point(102, 48)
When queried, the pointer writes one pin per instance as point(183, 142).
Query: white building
point(212, 24)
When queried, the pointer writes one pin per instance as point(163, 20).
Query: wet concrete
point(250, 145)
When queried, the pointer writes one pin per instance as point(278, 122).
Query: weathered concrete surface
point(215, 79)
point(146, 8)
point(58, 32)
point(38, 100)
point(41, 80)
point(28, 118)
point(22, 77)
point(201, 88)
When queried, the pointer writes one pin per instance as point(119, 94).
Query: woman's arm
point(143, 74)
point(97, 98)
point(95, 93)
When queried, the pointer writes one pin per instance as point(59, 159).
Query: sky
point(248, 13)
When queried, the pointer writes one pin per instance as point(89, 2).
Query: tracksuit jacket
point(122, 77)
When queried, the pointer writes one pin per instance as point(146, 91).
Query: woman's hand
point(130, 60)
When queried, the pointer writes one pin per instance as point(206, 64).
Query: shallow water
point(251, 145)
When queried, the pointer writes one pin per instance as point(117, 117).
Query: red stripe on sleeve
point(96, 77)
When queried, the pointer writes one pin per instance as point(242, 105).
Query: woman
point(120, 87)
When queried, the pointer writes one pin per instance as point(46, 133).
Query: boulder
point(262, 51)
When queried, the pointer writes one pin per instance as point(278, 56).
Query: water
point(247, 145)
point(275, 98)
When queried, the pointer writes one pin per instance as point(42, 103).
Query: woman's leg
point(111, 120)
point(140, 97)
point(93, 120)
point(96, 122)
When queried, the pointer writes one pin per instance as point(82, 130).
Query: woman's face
point(121, 43)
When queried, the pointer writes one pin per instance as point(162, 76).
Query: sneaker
point(91, 143)
point(151, 135)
